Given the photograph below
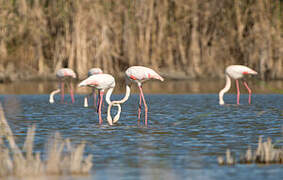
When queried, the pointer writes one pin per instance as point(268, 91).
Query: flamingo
point(137, 75)
point(92, 71)
point(102, 82)
point(63, 75)
point(236, 72)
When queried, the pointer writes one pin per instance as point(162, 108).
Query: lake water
point(185, 135)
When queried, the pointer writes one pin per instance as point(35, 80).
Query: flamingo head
point(159, 78)
point(128, 80)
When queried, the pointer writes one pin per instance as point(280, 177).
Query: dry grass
point(264, 154)
point(62, 157)
point(195, 38)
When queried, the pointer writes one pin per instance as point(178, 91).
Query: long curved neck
point(108, 95)
point(117, 103)
point(224, 90)
point(117, 116)
point(126, 97)
point(51, 97)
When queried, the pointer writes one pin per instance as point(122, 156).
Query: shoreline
point(169, 86)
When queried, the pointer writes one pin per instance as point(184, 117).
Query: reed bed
point(264, 154)
point(178, 38)
point(62, 158)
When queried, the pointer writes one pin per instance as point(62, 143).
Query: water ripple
point(185, 134)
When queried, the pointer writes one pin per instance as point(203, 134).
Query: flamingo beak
point(159, 78)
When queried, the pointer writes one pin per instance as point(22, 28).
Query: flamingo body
point(138, 75)
point(92, 71)
point(236, 72)
point(63, 75)
point(101, 82)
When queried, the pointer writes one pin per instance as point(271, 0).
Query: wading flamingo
point(92, 71)
point(236, 72)
point(137, 75)
point(102, 82)
point(64, 75)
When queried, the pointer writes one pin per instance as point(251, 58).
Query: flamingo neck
point(51, 97)
point(117, 103)
point(108, 95)
point(224, 90)
point(126, 97)
point(117, 116)
point(85, 101)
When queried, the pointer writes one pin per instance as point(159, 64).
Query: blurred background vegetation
point(178, 38)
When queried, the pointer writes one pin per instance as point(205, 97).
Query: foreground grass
point(264, 154)
point(62, 158)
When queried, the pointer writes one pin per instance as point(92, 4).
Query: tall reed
point(62, 157)
point(191, 38)
point(264, 154)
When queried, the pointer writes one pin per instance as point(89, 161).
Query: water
point(185, 135)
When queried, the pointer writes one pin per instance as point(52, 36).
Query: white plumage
point(65, 72)
point(63, 75)
point(236, 72)
point(102, 82)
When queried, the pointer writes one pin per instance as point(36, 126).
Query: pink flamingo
point(102, 82)
point(64, 74)
point(92, 71)
point(138, 75)
point(236, 72)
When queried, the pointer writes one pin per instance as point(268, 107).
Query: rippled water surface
point(185, 135)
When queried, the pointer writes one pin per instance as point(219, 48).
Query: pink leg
point(238, 92)
point(145, 106)
point(139, 111)
point(62, 91)
point(99, 108)
point(249, 90)
point(72, 93)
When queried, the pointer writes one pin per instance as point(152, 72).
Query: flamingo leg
point(62, 91)
point(72, 92)
point(99, 108)
point(238, 92)
point(249, 90)
point(145, 105)
point(139, 111)
point(94, 97)
point(102, 104)
point(98, 100)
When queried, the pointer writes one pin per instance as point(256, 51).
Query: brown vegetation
point(264, 154)
point(62, 158)
point(188, 38)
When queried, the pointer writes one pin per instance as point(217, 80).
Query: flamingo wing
point(65, 72)
point(141, 73)
point(238, 71)
point(99, 81)
point(93, 71)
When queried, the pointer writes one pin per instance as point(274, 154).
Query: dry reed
point(264, 154)
point(177, 37)
point(62, 157)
